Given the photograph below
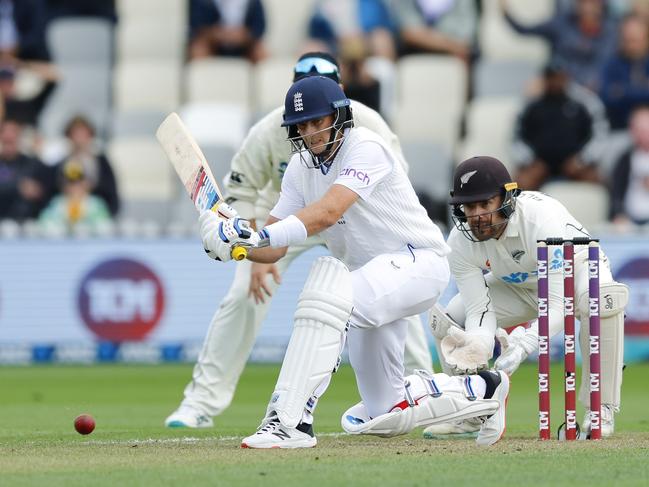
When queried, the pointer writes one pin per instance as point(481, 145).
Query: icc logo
point(121, 300)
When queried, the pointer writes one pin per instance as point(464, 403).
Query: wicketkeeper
point(493, 260)
point(389, 262)
point(253, 189)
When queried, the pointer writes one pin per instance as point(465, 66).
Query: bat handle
point(239, 253)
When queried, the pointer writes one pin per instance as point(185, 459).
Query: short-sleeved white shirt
point(257, 168)
point(386, 217)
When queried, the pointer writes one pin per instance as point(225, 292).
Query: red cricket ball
point(84, 424)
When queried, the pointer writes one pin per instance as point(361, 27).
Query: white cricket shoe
point(187, 417)
point(275, 435)
point(466, 428)
point(493, 427)
point(608, 421)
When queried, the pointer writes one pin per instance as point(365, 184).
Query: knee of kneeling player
point(613, 298)
point(364, 318)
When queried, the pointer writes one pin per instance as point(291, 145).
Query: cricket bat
point(191, 166)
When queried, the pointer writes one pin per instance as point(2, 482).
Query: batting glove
point(214, 246)
point(515, 348)
point(237, 232)
point(225, 211)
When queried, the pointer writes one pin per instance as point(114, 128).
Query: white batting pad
point(613, 299)
point(449, 402)
point(323, 311)
point(430, 410)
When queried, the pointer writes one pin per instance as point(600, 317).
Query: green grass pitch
point(38, 445)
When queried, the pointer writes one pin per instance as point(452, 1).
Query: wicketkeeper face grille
point(478, 227)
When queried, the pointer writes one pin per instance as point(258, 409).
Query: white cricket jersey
point(386, 217)
point(257, 168)
point(512, 257)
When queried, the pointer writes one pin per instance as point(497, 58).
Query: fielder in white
point(493, 260)
point(389, 262)
point(253, 188)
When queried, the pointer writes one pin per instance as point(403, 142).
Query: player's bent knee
point(327, 296)
point(613, 298)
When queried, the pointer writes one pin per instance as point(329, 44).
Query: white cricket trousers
point(386, 290)
point(234, 328)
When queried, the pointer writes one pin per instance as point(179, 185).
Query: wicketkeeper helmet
point(479, 179)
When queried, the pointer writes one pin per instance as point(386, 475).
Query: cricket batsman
point(493, 260)
point(388, 262)
point(253, 188)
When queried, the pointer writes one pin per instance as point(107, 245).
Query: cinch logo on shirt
point(360, 175)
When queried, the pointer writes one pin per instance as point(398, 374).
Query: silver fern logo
point(465, 177)
point(297, 102)
point(517, 255)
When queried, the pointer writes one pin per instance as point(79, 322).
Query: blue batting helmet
point(312, 97)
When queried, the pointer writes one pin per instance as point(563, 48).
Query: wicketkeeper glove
point(515, 347)
point(466, 353)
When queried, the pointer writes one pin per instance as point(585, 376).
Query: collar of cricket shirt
point(512, 225)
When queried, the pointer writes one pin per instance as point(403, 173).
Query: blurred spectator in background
point(82, 8)
point(359, 33)
point(75, 206)
point(22, 30)
point(581, 38)
point(630, 181)
point(364, 22)
point(437, 26)
point(620, 8)
point(98, 174)
point(561, 133)
point(359, 83)
point(26, 111)
point(625, 78)
point(24, 180)
point(227, 28)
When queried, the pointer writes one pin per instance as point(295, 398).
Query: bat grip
point(239, 253)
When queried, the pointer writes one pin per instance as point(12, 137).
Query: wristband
point(290, 231)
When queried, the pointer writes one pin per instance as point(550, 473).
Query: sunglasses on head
point(316, 65)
